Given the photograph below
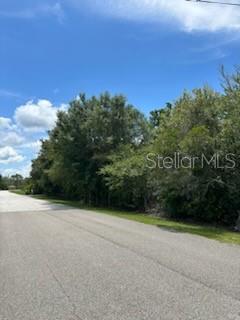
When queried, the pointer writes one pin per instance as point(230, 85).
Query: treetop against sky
point(149, 50)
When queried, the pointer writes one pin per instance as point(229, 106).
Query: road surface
point(71, 264)
point(10, 202)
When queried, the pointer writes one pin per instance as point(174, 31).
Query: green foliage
point(15, 181)
point(159, 116)
point(80, 144)
point(126, 177)
point(3, 185)
point(199, 125)
point(211, 232)
point(98, 149)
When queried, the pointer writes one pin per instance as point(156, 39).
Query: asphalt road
point(10, 202)
point(58, 264)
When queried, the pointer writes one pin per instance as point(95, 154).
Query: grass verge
point(18, 191)
point(214, 233)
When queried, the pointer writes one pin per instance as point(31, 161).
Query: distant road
point(11, 202)
point(73, 264)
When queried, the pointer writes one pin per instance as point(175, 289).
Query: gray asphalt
point(10, 202)
point(72, 264)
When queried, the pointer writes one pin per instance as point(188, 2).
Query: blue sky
point(149, 50)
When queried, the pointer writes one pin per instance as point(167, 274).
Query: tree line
point(102, 152)
point(15, 181)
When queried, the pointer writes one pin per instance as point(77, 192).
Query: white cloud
point(189, 16)
point(20, 137)
point(64, 107)
point(5, 123)
point(40, 116)
point(9, 155)
point(23, 171)
point(10, 139)
point(35, 145)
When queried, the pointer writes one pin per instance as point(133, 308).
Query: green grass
point(214, 233)
point(18, 191)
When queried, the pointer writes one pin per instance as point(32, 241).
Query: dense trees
point(80, 144)
point(205, 188)
point(184, 159)
point(14, 181)
point(3, 185)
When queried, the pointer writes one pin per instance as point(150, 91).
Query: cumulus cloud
point(64, 107)
point(5, 123)
point(39, 116)
point(10, 139)
point(9, 155)
point(23, 170)
point(20, 137)
point(189, 16)
point(34, 145)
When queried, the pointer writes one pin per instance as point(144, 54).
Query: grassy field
point(215, 233)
